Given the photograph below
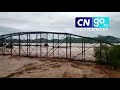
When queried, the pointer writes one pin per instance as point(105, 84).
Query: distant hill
point(108, 39)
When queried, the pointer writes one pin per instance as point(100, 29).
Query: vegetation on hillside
point(108, 55)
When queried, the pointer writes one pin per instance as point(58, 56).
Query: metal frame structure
point(30, 44)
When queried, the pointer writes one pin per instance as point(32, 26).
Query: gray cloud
point(54, 21)
point(7, 30)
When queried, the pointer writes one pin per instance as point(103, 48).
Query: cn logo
point(84, 22)
point(92, 22)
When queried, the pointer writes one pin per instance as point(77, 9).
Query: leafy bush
point(109, 55)
point(1, 45)
point(9, 45)
point(46, 45)
point(101, 56)
point(114, 56)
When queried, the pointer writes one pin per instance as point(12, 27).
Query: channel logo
point(92, 22)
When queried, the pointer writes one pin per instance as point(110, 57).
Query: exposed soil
point(24, 67)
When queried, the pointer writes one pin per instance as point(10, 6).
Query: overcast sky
point(11, 22)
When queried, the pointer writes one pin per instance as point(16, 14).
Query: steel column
point(53, 45)
point(66, 46)
point(40, 46)
point(2, 45)
point(82, 48)
point(47, 43)
point(58, 45)
point(36, 44)
point(27, 44)
point(19, 46)
point(70, 47)
point(11, 44)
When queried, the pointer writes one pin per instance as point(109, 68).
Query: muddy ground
point(24, 67)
